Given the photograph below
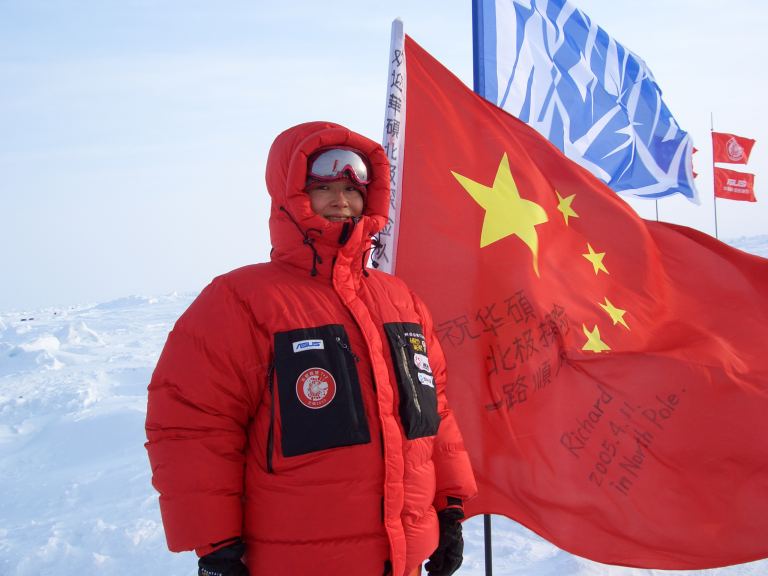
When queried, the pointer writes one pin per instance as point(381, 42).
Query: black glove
point(224, 562)
point(450, 550)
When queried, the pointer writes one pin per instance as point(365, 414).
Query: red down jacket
point(307, 413)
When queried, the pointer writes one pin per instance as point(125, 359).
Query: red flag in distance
point(734, 185)
point(730, 148)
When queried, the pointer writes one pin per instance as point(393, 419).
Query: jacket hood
point(296, 232)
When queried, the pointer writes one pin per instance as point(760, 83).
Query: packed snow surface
point(75, 492)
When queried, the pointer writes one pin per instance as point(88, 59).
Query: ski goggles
point(335, 163)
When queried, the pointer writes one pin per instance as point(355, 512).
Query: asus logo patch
point(303, 345)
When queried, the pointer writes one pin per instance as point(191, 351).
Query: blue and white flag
point(547, 63)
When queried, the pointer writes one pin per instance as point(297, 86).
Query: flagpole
point(714, 192)
point(479, 87)
point(488, 549)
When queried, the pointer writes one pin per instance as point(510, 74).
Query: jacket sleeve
point(453, 470)
point(201, 398)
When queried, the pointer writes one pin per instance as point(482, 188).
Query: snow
point(74, 475)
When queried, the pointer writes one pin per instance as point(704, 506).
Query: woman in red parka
point(297, 417)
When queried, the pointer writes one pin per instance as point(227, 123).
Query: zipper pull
point(344, 346)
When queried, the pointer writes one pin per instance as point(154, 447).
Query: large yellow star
point(564, 205)
point(594, 342)
point(596, 258)
point(616, 314)
point(506, 213)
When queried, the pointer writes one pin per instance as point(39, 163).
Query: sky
point(134, 133)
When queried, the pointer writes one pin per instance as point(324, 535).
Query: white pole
point(394, 139)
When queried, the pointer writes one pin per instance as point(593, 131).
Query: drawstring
point(376, 244)
point(309, 241)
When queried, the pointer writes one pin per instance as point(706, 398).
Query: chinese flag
point(734, 185)
point(609, 374)
point(730, 148)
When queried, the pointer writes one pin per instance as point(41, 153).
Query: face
point(336, 201)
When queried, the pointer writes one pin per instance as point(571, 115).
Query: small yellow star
point(596, 258)
point(594, 343)
point(506, 213)
point(564, 205)
point(616, 314)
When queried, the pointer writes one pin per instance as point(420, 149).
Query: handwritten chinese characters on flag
point(608, 373)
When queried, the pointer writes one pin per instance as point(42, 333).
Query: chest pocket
point(321, 405)
point(418, 397)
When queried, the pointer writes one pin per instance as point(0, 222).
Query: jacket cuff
point(207, 549)
point(444, 502)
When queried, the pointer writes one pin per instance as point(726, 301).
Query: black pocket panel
point(418, 397)
point(321, 405)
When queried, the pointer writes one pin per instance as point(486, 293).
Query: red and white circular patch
point(315, 388)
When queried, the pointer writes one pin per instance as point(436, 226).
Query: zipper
point(271, 433)
point(404, 361)
point(344, 346)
